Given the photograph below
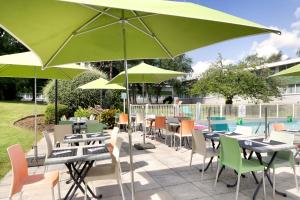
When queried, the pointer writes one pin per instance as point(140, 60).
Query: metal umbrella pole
point(35, 118)
point(128, 109)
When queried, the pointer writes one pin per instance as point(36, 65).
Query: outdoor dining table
point(70, 156)
point(258, 146)
point(87, 138)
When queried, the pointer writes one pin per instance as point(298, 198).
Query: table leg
point(266, 174)
point(220, 172)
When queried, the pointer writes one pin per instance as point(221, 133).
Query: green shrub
point(50, 112)
point(82, 112)
point(108, 117)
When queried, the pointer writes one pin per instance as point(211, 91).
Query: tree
point(238, 80)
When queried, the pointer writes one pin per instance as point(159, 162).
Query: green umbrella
point(292, 71)
point(27, 65)
point(102, 84)
point(94, 30)
point(144, 73)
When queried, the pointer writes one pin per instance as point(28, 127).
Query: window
point(290, 89)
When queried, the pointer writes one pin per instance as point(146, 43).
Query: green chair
point(219, 127)
point(94, 127)
point(283, 158)
point(230, 156)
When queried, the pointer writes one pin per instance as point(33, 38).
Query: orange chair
point(21, 181)
point(123, 120)
point(279, 127)
point(186, 130)
point(160, 124)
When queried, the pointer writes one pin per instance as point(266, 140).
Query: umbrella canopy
point(292, 71)
point(28, 65)
point(62, 32)
point(144, 73)
point(91, 30)
point(102, 84)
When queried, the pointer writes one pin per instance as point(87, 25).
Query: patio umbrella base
point(35, 161)
point(147, 145)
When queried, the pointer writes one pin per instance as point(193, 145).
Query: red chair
point(160, 124)
point(21, 181)
point(186, 130)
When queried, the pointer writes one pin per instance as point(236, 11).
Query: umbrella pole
point(35, 118)
point(128, 109)
point(56, 102)
point(143, 92)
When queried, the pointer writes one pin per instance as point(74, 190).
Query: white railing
point(200, 111)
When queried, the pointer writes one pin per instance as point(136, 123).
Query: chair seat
point(49, 179)
point(101, 172)
point(251, 165)
point(211, 152)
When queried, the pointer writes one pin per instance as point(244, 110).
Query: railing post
point(277, 110)
point(221, 110)
point(260, 110)
point(198, 112)
point(293, 110)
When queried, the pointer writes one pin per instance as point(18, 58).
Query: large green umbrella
point(27, 65)
point(102, 84)
point(93, 30)
point(144, 73)
point(292, 71)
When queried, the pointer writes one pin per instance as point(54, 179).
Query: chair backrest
point(230, 154)
point(198, 143)
point(278, 127)
point(117, 149)
point(287, 138)
point(123, 118)
point(94, 127)
point(140, 118)
point(219, 127)
point(19, 168)
point(92, 117)
point(160, 122)
point(48, 143)
point(113, 139)
point(244, 130)
point(60, 131)
point(187, 127)
point(64, 122)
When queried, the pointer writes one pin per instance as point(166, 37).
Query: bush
point(50, 112)
point(108, 117)
point(82, 112)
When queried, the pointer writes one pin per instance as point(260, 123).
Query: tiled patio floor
point(164, 173)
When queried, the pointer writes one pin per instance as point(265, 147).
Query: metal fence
point(200, 111)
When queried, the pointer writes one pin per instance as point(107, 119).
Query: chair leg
point(217, 175)
point(180, 142)
point(274, 183)
point(58, 190)
point(296, 179)
point(238, 187)
point(191, 158)
point(203, 166)
point(52, 193)
point(119, 180)
point(264, 185)
point(85, 191)
point(21, 195)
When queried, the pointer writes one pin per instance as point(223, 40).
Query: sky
point(283, 15)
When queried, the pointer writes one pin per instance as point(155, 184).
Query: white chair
point(107, 171)
point(59, 133)
point(283, 158)
point(199, 146)
point(139, 121)
point(244, 130)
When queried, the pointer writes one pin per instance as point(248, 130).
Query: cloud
point(297, 13)
point(273, 44)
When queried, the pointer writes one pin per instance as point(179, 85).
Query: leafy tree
point(238, 80)
point(70, 95)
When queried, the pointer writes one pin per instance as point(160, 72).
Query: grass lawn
point(10, 134)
